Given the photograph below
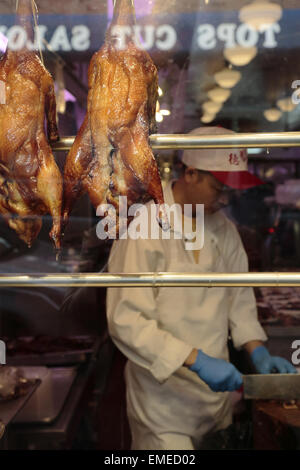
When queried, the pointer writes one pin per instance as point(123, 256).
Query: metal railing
point(186, 141)
point(174, 141)
point(152, 280)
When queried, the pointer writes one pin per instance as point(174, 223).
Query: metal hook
point(115, 1)
point(35, 13)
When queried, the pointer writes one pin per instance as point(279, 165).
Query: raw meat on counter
point(279, 306)
point(12, 383)
point(45, 344)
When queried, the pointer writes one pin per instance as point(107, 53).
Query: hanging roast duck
point(111, 156)
point(30, 181)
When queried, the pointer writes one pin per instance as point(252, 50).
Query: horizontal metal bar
point(187, 141)
point(152, 280)
point(266, 140)
point(65, 143)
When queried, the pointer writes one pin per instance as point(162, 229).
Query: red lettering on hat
point(243, 156)
point(234, 159)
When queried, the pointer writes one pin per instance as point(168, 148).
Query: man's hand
point(266, 364)
point(219, 375)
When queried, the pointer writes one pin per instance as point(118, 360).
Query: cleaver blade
point(271, 386)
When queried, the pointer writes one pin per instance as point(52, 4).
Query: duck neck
point(124, 13)
point(25, 11)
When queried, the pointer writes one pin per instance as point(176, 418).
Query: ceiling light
point(160, 92)
point(159, 117)
point(239, 55)
point(219, 95)
point(286, 105)
point(207, 118)
point(165, 112)
point(272, 114)
point(227, 78)
point(260, 14)
point(210, 107)
point(60, 88)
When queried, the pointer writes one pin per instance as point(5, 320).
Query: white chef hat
point(230, 166)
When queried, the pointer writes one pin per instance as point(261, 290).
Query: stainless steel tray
point(10, 408)
point(62, 381)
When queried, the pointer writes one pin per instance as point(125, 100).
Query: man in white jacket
point(178, 373)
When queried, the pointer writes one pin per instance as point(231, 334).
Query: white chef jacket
point(156, 328)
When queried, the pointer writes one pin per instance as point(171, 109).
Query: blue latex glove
point(219, 375)
point(267, 364)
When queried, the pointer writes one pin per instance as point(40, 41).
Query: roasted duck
point(111, 156)
point(30, 181)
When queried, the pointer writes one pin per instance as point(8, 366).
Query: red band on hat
point(237, 179)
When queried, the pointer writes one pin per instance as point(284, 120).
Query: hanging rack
point(152, 280)
point(173, 141)
point(186, 141)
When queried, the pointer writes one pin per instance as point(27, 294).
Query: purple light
point(69, 96)
point(3, 43)
point(142, 8)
